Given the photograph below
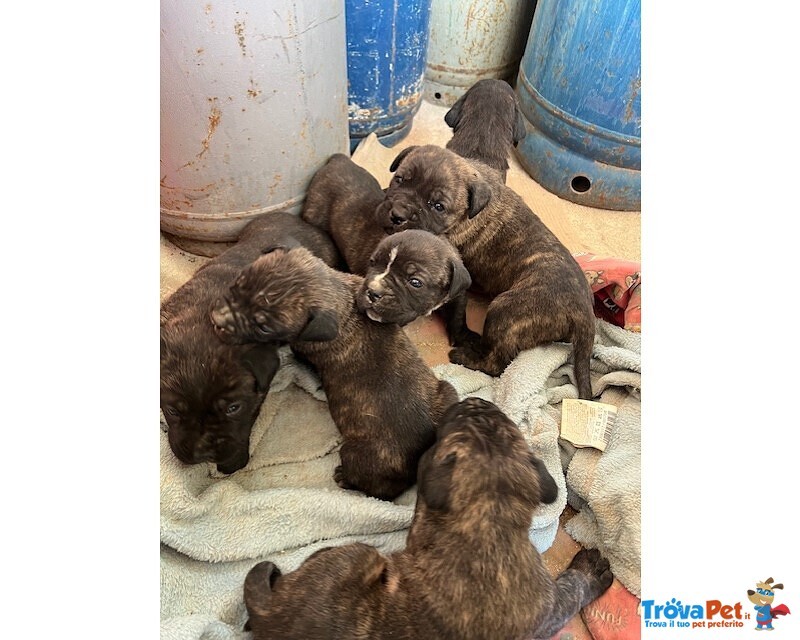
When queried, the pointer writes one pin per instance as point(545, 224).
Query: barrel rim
point(571, 120)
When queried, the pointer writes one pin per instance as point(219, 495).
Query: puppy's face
point(333, 594)
point(273, 301)
point(211, 394)
point(410, 274)
point(432, 189)
point(481, 457)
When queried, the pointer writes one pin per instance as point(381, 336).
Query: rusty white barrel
point(253, 102)
point(474, 39)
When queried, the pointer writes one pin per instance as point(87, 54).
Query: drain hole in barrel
point(437, 95)
point(581, 184)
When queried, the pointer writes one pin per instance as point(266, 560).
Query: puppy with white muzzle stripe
point(425, 272)
point(411, 274)
point(382, 396)
point(539, 292)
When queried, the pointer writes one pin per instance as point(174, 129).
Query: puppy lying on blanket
point(382, 396)
point(469, 571)
point(211, 392)
point(487, 123)
point(540, 294)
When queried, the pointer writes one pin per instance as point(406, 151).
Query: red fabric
point(614, 615)
point(616, 285)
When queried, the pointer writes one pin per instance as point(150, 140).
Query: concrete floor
point(581, 229)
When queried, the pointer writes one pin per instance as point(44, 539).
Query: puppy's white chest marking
point(392, 255)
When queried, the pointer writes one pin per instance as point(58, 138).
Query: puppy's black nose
point(373, 295)
point(397, 220)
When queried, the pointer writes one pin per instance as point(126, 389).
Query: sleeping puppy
point(469, 570)
point(211, 392)
point(382, 396)
point(539, 292)
point(411, 274)
point(341, 200)
point(487, 123)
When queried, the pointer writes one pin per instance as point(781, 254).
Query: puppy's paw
point(340, 479)
point(596, 569)
point(468, 357)
point(464, 356)
point(465, 338)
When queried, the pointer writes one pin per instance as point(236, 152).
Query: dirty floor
point(581, 229)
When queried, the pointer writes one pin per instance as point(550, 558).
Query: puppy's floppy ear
point(323, 325)
point(460, 280)
point(287, 244)
point(479, 194)
point(376, 568)
point(396, 162)
point(435, 488)
point(548, 489)
point(519, 125)
point(220, 313)
point(258, 588)
point(453, 117)
point(263, 362)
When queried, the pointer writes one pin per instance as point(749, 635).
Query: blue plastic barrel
point(579, 86)
point(387, 43)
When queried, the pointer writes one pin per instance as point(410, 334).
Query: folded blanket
point(605, 487)
point(284, 505)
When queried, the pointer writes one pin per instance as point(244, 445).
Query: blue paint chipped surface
point(386, 55)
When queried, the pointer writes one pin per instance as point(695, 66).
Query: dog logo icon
point(762, 597)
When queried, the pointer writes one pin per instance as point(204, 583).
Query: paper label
point(587, 424)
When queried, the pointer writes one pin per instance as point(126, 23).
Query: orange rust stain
point(409, 100)
point(213, 122)
point(208, 8)
point(238, 28)
point(183, 198)
point(276, 183)
point(253, 91)
point(636, 86)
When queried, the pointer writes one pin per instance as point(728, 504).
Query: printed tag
point(587, 424)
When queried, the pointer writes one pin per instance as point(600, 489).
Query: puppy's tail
point(582, 346)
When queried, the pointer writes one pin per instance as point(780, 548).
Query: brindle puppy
point(540, 294)
point(211, 392)
point(469, 570)
point(411, 274)
point(341, 199)
point(382, 396)
point(487, 124)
